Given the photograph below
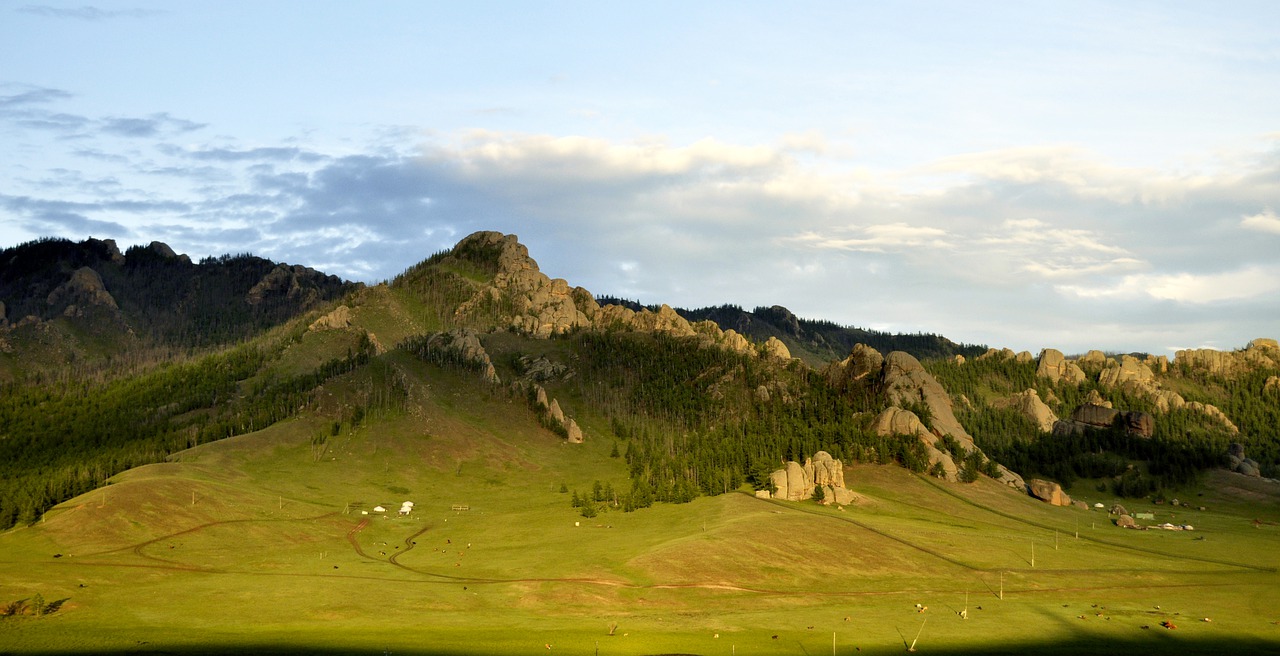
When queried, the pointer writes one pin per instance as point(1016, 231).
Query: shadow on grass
point(1159, 641)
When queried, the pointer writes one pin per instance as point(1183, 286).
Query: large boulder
point(1129, 370)
point(1055, 366)
point(338, 319)
point(1028, 403)
point(797, 482)
point(1048, 491)
point(906, 382)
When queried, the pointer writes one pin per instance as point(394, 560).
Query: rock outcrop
point(906, 382)
point(83, 291)
point(553, 416)
point(463, 345)
point(904, 423)
point(1091, 416)
point(337, 319)
point(1048, 491)
point(796, 482)
point(1262, 352)
point(1028, 403)
point(1128, 371)
point(1056, 367)
point(1237, 462)
point(522, 297)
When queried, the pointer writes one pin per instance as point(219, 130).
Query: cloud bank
point(1026, 247)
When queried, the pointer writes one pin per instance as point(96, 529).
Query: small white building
point(379, 509)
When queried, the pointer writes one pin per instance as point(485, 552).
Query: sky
point(1072, 175)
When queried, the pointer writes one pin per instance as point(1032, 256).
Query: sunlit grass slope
point(260, 543)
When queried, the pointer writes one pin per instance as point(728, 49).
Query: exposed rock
point(665, 320)
point(1095, 398)
point(863, 361)
point(292, 282)
point(113, 251)
point(1261, 352)
point(162, 249)
point(1167, 400)
point(540, 398)
point(907, 382)
point(1055, 366)
point(339, 318)
point(958, 359)
point(896, 421)
point(1272, 385)
point(1239, 463)
point(1214, 413)
point(1158, 363)
point(1079, 504)
point(796, 482)
point(524, 298)
point(774, 348)
point(1128, 371)
point(998, 354)
point(541, 369)
point(1048, 491)
point(1125, 521)
point(1093, 357)
point(465, 343)
point(572, 432)
point(1094, 416)
point(83, 288)
point(1029, 404)
point(1117, 509)
point(557, 415)
point(1024, 357)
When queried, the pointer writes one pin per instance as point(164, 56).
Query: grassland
point(260, 544)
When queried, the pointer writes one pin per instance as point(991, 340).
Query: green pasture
point(261, 544)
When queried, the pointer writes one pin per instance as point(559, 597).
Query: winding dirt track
point(352, 538)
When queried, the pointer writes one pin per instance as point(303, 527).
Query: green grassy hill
point(226, 500)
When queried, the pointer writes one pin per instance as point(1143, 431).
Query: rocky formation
point(796, 482)
point(1260, 352)
point(1048, 491)
point(338, 319)
point(554, 417)
point(1213, 413)
point(1272, 386)
point(522, 297)
point(463, 345)
point(84, 290)
point(906, 382)
point(896, 421)
point(774, 348)
point(1006, 354)
point(1128, 371)
point(1094, 416)
point(1029, 404)
point(1055, 366)
point(293, 282)
point(1237, 462)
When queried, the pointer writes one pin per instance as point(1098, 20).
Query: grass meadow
point(260, 544)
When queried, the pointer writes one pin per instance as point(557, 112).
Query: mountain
point(819, 342)
point(62, 301)
point(587, 475)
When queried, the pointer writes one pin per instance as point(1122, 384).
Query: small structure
point(379, 509)
point(406, 508)
point(1143, 515)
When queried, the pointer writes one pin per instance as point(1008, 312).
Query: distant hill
point(62, 300)
point(818, 342)
point(110, 360)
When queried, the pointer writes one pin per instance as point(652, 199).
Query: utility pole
point(1002, 585)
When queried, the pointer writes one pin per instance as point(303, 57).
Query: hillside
point(594, 473)
point(86, 303)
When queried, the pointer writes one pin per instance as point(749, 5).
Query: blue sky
point(1072, 175)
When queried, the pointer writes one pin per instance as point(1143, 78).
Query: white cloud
point(1265, 221)
point(1245, 283)
point(879, 238)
